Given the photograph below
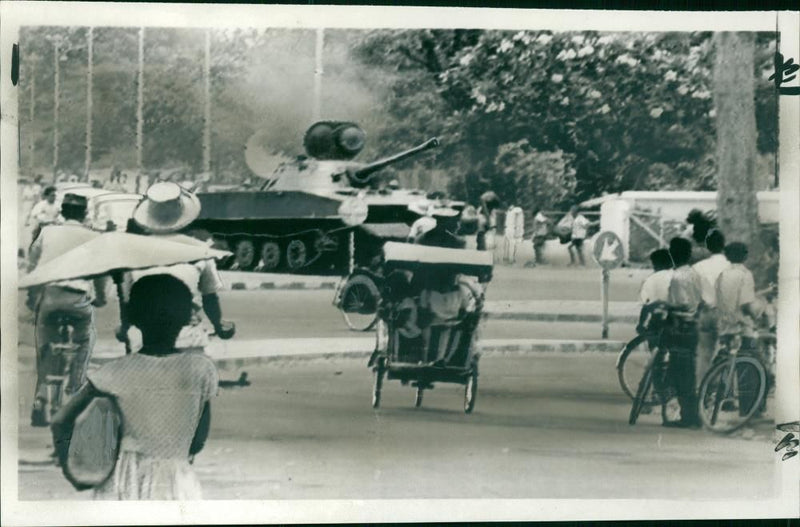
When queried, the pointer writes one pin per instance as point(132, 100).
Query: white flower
point(627, 59)
point(466, 59)
point(478, 96)
point(671, 76)
point(505, 45)
point(566, 54)
point(656, 112)
point(683, 89)
point(605, 108)
point(556, 78)
point(594, 94)
point(712, 113)
point(544, 38)
point(565, 101)
point(578, 39)
point(586, 50)
point(701, 94)
point(606, 39)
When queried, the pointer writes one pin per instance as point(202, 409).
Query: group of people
point(707, 302)
point(164, 390)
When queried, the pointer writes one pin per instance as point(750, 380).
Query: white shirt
point(685, 289)
point(579, 227)
point(709, 270)
point(540, 224)
point(735, 287)
point(656, 287)
point(43, 212)
point(515, 223)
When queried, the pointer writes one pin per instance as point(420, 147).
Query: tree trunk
point(56, 101)
point(737, 207)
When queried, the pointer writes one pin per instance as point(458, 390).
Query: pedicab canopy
point(465, 261)
point(118, 251)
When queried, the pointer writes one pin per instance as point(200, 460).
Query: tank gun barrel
point(362, 176)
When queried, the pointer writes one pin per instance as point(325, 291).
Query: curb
point(497, 347)
point(558, 317)
point(244, 286)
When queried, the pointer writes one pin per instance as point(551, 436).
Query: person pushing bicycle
point(70, 300)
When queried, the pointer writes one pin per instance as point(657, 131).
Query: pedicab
point(431, 303)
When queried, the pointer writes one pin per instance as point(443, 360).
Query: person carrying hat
point(165, 210)
point(75, 299)
point(443, 233)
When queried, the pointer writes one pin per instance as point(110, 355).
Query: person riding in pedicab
point(166, 210)
point(73, 299)
point(445, 297)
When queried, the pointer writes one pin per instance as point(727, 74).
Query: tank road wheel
point(270, 256)
point(245, 254)
point(296, 254)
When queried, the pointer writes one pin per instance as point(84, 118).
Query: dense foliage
point(542, 118)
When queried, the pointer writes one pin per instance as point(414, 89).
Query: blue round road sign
point(608, 251)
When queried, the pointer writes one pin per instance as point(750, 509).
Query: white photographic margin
point(16, 14)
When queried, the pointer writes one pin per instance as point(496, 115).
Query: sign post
point(608, 253)
point(353, 211)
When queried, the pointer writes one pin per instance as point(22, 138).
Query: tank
point(292, 223)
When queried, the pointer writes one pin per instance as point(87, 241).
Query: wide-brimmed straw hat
point(166, 208)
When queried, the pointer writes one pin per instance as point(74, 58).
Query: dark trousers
point(681, 341)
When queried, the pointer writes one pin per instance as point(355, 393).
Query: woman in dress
point(163, 395)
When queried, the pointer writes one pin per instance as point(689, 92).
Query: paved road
point(301, 313)
point(545, 426)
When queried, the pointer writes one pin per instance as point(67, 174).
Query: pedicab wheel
point(418, 398)
point(471, 391)
point(377, 382)
point(359, 303)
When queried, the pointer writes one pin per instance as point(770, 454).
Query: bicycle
point(655, 388)
point(58, 362)
point(734, 388)
point(635, 356)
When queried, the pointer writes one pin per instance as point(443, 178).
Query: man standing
point(709, 269)
point(165, 210)
point(45, 212)
point(684, 298)
point(74, 299)
point(580, 228)
point(735, 296)
point(513, 233)
point(541, 228)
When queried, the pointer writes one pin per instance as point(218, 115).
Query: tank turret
point(293, 223)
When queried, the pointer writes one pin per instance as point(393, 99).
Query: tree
point(734, 102)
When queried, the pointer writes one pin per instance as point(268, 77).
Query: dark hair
point(71, 211)
point(736, 252)
point(680, 249)
point(49, 190)
point(159, 305)
point(715, 241)
point(701, 223)
point(661, 259)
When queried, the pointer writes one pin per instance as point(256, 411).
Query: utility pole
point(207, 106)
point(56, 98)
point(32, 140)
point(89, 86)
point(140, 103)
point(318, 71)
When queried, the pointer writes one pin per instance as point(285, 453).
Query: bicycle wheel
point(728, 399)
point(642, 395)
point(631, 363)
point(359, 303)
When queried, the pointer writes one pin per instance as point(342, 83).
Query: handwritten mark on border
point(789, 441)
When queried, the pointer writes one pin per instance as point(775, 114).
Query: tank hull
point(298, 232)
